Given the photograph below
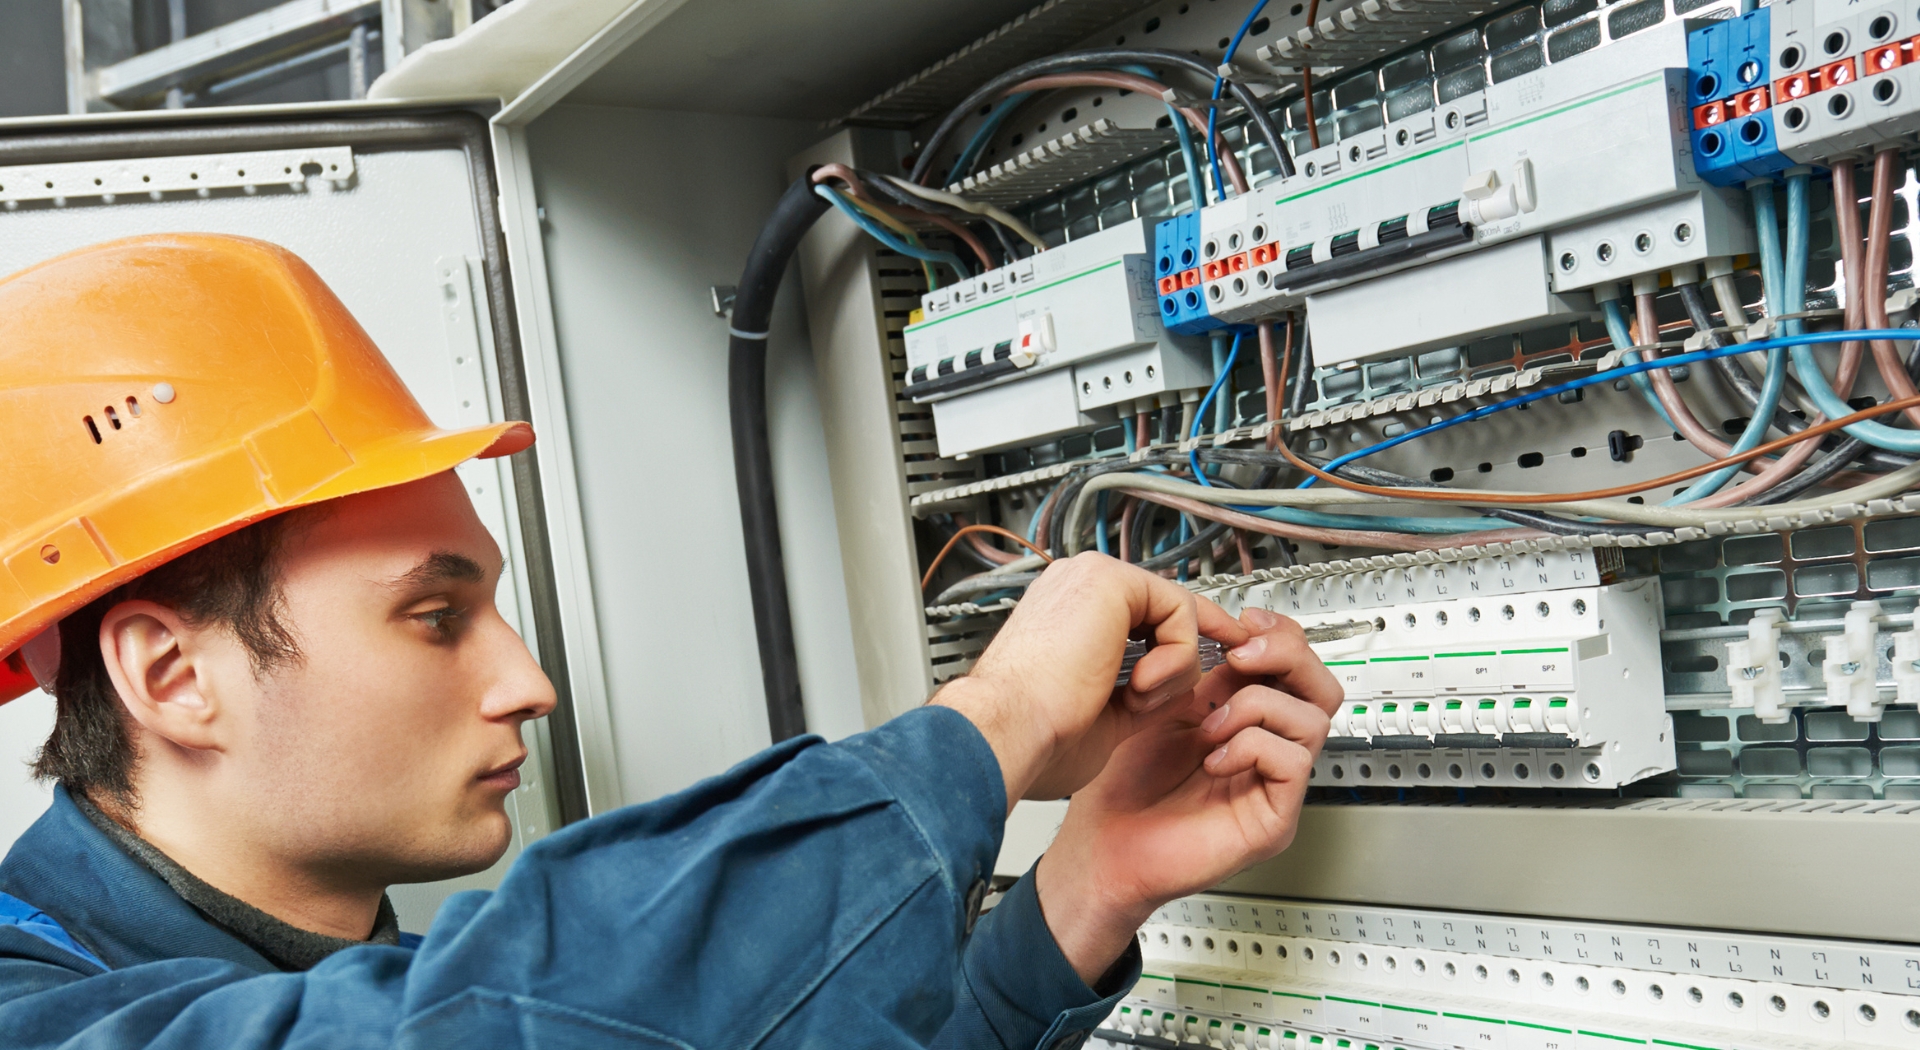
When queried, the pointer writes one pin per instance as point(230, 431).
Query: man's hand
point(1042, 694)
point(1193, 797)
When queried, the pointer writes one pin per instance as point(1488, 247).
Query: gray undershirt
point(287, 946)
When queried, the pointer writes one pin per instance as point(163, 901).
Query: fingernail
point(1215, 720)
point(1252, 648)
point(1219, 755)
point(1152, 700)
point(1259, 617)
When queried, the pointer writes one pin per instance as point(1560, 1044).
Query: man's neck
point(287, 892)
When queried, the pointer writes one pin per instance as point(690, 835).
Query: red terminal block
point(1190, 279)
point(1170, 284)
point(1708, 114)
point(1838, 74)
point(1214, 270)
point(1888, 57)
point(1264, 254)
point(1797, 86)
point(1752, 101)
point(1237, 263)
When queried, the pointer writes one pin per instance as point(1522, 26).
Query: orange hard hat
point(159, 392)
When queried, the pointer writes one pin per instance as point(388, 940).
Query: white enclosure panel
point(24, 725)
point(390, 242)
point(644, 211)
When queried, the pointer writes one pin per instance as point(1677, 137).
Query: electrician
point(236, 553)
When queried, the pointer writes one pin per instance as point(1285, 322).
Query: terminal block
point(1843, 76)
point(1545, 689)
point(1729, 100)
point(1048, 344)
point(1542, 187)
point(1180, 274)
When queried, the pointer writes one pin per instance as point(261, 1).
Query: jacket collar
point(106, 900)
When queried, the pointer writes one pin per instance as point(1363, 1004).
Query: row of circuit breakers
point(1515, 207)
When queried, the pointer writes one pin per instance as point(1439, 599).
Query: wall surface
point(644, 211)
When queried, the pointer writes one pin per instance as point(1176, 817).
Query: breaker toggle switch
point(1033, 337)
point(1852, 665)
point(1753, 668)
point(1485, 198)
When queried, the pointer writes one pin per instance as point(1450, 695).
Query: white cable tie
point(738, 334)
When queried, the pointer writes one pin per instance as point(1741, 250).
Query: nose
point(517, 688)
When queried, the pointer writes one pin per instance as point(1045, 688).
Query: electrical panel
point(1498, 330)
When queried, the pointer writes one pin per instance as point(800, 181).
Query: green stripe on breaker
point(1346, 663)
point(1616, 1038)
point(1502, 129)
point(1247, 988)
point(1154, 977)
point(1518, 652)
point(1541, 1027)
point(1356, 1002)
point(1014, 295)
point(1395, 659)
point(1470, 1017)
point(1443, 656)
point(1296, 995)
point(1411, 1010)
point(1197, 981)
point(1370, 171)
point(1683, 1046)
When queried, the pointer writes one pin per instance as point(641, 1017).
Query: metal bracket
point(722, 296)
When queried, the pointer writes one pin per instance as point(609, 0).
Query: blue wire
point(1766, 227)
point(983, 135)
point(1213, 115)
point(885, 236)
point(1390, 523)
point(1196, 182)
point(1616, 320)
point(1809, 369)
point(1126, 431)
point(1100, 523)
point(1793, 294)
point(1222, 410)
point(1219, 380)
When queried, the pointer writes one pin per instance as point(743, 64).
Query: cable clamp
point(1761, 329)
point(738, 334)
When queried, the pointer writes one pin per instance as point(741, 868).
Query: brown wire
point(1508, 499)
point(981, 546)
point(955, 538)
point(1873, 282)
point(1270, 375)
point(1145, 86)
point(859, 189)
point(1392, 541)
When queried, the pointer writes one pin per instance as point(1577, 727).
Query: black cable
point(1100, 58)
point(792, 217)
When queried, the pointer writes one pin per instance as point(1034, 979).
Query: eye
point(442, 622)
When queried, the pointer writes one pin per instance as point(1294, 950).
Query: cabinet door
point(399, 215)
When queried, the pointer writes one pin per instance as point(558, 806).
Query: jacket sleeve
point(817, 894)
point(1018, 991)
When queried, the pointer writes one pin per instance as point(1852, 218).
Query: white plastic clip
point(1852, 665)
point(1753, 668)
point(1906, 666)
point(1761, 329)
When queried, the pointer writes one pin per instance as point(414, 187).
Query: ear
point(151, 654)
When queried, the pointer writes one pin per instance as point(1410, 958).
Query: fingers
point(1277, 647)
point(1270, 710)
point(1275, 759)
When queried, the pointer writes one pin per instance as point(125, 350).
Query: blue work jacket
point(816, 895)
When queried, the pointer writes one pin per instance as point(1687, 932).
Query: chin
point(473, 846)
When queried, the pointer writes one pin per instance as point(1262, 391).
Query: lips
point(505, 776)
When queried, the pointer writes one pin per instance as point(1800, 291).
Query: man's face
point(387, 750)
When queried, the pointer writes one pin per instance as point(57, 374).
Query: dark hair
point(233, 582)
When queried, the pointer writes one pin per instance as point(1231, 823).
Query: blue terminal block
point(1176, 268)
point(1729, 104)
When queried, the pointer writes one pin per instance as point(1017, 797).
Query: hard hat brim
point(405, 457)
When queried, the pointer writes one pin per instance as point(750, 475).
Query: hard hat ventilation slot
point(133, 407)
point(113, 418)
point(92, 429)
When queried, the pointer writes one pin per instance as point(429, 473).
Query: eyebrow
point(441, 567)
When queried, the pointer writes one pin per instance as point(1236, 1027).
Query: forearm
point(1023, 745)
